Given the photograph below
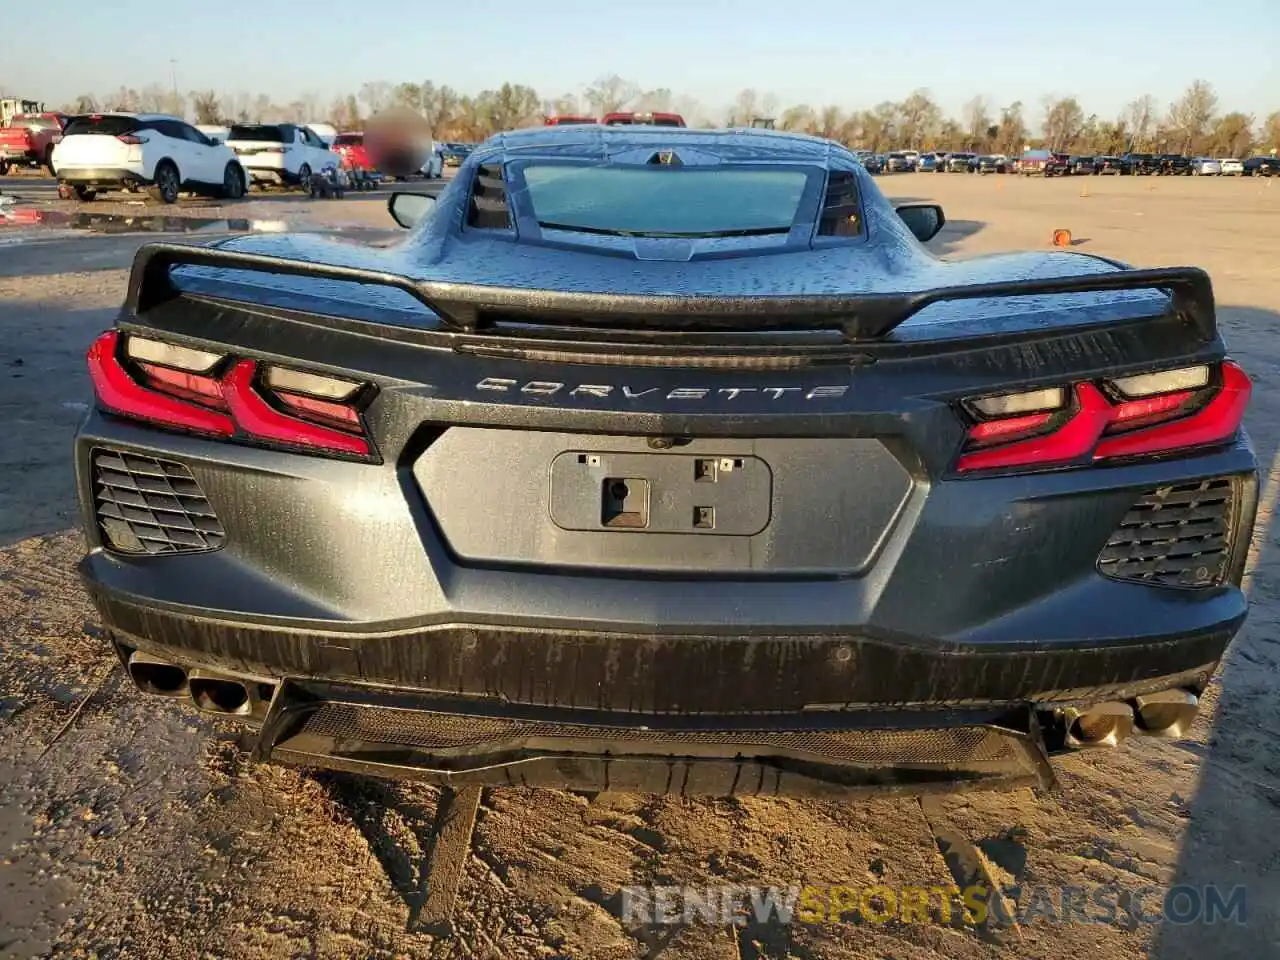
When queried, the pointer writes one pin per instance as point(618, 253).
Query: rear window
point(268, 133)
point(665, 201)
point(348, 140)
point(102, 126)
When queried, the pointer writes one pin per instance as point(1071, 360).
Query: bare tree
point(1063, 121)
point(830, 120)
point(1231, 136)
point(407, 96)
point(800, 117)
point(207, 106)
point(1271, 134)
point(916, 121)
point(611, 94)
point(376, 96)
point(745, 107)
point(977, 118)
point(1192, 113)
point(655, 101)
point(919, 118)
point(1013, 130)
point(1140, 116)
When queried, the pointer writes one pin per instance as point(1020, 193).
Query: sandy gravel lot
point(142, 830)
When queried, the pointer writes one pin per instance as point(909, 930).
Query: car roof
point(125, 113)
point(778, 146)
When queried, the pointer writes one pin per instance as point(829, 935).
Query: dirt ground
point(135, 828)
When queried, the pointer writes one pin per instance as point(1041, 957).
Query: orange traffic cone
point(1062, 238)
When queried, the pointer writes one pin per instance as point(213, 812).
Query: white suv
point(280, 153)
point(133, 151)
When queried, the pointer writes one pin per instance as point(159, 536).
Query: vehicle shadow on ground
point(953, 233)
point(43, 375)
point(1230, 840)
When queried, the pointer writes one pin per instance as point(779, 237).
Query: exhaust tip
point(1169, 713)
point(155, 676)
point(220, 696)
point(1103, 725)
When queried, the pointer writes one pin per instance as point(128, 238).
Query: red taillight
point(187, 386)
point(1147, 414)
point(132, 139)
point(260, 419)
point(120, 393)
point(1216, 421)
point(323, 416)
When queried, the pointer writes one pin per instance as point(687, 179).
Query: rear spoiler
point(470, 308)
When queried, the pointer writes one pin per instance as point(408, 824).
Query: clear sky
point(853, 54)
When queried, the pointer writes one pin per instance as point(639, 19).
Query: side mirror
point(924, 220)
point(408, 209)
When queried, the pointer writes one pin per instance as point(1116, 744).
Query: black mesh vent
point(424, 730)
point(145, 505)
point(840, 216)
point(488, 209)
point(1176, 536)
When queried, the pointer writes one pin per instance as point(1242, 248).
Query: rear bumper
point(959, 615)
point(103, 176)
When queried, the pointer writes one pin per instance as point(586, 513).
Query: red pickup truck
point(643, 119)
point(29, 139)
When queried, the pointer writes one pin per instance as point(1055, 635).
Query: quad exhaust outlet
point(215, 693)
point(151, 675)
point(209, 691)
point(1169, 713)
point(1102, 725)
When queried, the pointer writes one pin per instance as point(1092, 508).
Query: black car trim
point(472, 307)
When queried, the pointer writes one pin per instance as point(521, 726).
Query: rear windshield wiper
point(655, 235)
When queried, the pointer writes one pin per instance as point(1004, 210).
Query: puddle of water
point(112, 223)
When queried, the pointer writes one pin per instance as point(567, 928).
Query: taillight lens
point(212, 394)
point(132, 139)
point(1148, 414)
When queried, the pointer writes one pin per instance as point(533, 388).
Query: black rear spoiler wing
point(471, 307)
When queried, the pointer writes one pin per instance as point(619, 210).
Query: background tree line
point(1193, 124)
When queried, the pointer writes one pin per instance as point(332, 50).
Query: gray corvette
point(667, 460)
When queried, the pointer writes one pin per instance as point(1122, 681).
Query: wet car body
point(784, 508)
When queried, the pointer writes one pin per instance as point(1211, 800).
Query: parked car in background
point(1142, 164)
point(1043, 163)
point(433, 166)
point(1206, 167)
point(898, 162)
point(874, 163)
point(1174, 165)
point(566, 119)
point(928, 163)
point(455, 153)
point(1262, 167)
point(961, 162)
point(214, 131)
point(280, 153)
point(29, 139)
point(1107, 165)
point(327, 132)
point(990, 163)
point(1080, 165)
point(161, 154)
point(352, 155)
point(643, 119)
point(1231, 167)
